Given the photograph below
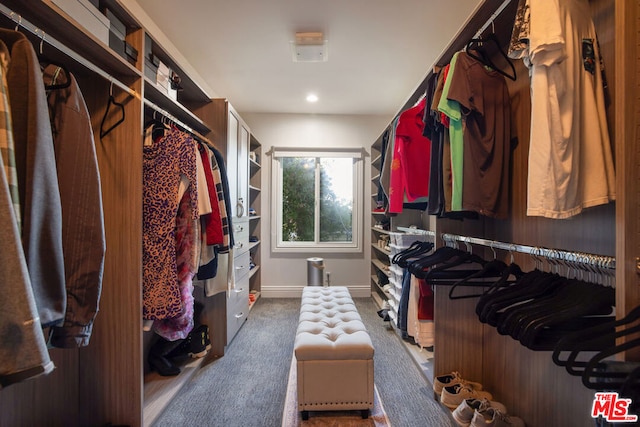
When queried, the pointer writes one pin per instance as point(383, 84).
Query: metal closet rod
point(412, 230)
point(599, 261)
point(21, 22)
point(492, 18)
point(175, 120)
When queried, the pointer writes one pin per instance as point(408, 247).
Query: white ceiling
point(379, 50)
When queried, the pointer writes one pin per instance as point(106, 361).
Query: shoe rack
point(383, 228)
point(255, 207)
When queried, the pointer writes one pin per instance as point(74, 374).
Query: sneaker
point(463, 414)
point(494, 418)
point(453, 378)
point(384, 315)
point(197, 344)
point(452, 396)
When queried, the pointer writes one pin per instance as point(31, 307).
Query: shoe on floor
point(384, 314)
point(452, 396)
point(463, 414)
point(162, 365)
point(494, 418)
point(453, 378)
point(197, 344)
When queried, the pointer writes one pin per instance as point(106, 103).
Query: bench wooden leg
point(305, 415)
point(365, 414)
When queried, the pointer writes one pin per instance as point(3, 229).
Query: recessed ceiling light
point(312, 97)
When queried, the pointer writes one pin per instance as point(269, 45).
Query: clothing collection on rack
point(451, 152)
point(570, 159)
point(411, 308)
point(567, 308)
point(186, 230)
point(53, 241)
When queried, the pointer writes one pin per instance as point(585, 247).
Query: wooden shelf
point(155, 94)
point(378, 230)
point(377, 162)
point(253, 244)
point(254, 165)
point(380, 266)
point(251, 304)
point(374, 246)
point(253, 271)
point(61, 27)
point(159, 390)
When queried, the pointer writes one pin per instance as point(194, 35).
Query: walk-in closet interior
point(109, 382)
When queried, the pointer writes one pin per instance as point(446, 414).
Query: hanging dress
point(164, 162)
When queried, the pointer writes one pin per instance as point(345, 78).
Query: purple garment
point(178, 327)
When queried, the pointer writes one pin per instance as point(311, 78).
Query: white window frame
point(277, 243)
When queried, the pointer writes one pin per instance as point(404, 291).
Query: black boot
point(158, 360)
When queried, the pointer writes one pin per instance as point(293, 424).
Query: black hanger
point(492, 307)
point(112, 102)
point(416, 250)
point(583, 305)
point(595, 338)
point(476, 48)
point(596, 368)
point(159, 127)
point(493, 268)
point(445, 274)
point(442, 254)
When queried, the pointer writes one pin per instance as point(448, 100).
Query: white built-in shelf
point(380, 266)
point(254, 165)
point(253, 271)
point(379, 230)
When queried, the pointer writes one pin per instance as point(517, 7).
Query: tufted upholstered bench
point(334, 353)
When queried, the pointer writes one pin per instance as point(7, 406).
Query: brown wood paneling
point(52, 394)
point(458, 337)
point(112, 364)
point(627, 53)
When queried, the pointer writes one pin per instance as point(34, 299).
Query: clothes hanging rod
point(175, 120)
point(38, 32)
point(492, 18)
point(599, 261)
point(410, 230)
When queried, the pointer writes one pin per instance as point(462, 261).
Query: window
point(317, 200)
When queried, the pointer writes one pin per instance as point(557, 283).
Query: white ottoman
point(334, 354)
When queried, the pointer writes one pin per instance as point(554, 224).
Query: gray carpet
point(247, 387)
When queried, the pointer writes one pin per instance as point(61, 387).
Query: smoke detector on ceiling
point(309, 47)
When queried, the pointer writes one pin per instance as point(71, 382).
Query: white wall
point(284, 275)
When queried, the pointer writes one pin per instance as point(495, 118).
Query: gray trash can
point(315, 271)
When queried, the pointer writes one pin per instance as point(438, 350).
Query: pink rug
point(291, 416)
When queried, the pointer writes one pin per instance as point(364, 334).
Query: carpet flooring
point(248, 386)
